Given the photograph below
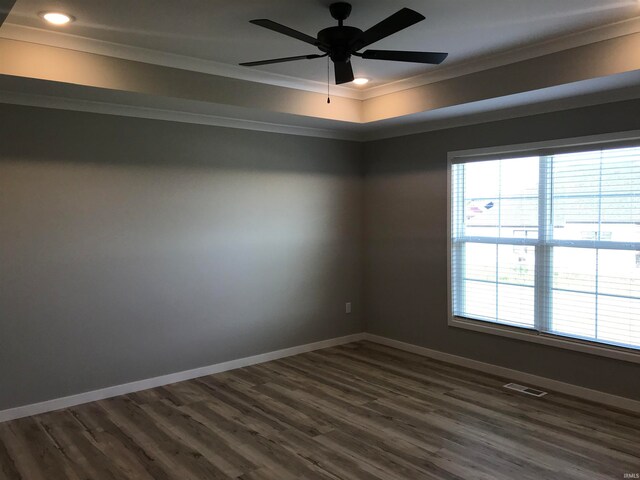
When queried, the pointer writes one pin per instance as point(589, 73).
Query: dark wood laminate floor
point(359, 411)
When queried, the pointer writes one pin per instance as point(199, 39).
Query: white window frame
point(613, 140)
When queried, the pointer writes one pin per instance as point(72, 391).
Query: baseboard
point(533, 380)
point(101, 394)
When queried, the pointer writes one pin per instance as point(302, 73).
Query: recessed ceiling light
point(57, 18)
point(361, 81)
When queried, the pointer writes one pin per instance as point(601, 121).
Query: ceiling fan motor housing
point(339, 40)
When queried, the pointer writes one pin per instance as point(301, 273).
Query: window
point(547, 244)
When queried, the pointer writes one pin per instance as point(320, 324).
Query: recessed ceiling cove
point(220, 31)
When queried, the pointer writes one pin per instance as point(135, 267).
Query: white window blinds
point(550, 243)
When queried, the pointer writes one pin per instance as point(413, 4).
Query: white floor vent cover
point(527, 390)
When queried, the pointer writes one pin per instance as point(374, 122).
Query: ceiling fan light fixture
point(56, 18)
point(360, 81)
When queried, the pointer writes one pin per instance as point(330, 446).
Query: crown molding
point(137, 111)
point(468, 66)
point(68, 41)
point(73, 42)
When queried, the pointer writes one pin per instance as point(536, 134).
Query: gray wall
point(133, 248)
point(406, 245)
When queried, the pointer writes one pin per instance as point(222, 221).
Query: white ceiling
point(220, 31)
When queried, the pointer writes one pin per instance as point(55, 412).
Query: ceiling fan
point(341, 42)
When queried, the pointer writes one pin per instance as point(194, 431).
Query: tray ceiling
point(219, 31)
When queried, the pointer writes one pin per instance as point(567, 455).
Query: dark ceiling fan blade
point(5, 8)
point(398, 21)
point(434, 58)
point(290, 32)
point(343, 71)
point(281, 60)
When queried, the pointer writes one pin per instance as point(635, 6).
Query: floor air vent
point(523, 389)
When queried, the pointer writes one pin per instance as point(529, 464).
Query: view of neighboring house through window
point(550, 243)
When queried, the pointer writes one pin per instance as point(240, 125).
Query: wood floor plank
point(249, 401)
point(344, 421)
point(132, 419)
point(335, 461)
point(9, 468)
point(196, 436)
point(360, 411)
point(36, 456)
point(290, 416)
point(260, 448)
point(124, 452)
point(73, 443)
point(384, 459)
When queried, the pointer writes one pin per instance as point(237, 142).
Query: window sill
point(593, 348)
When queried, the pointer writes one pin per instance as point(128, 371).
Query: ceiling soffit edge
point(172, 115)
point(365, 134)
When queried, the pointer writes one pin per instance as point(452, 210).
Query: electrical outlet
point(347, 307)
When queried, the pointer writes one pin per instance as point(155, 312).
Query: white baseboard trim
point(101, 394)
point(533, 380)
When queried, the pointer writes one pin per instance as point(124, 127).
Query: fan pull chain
point(328, 81)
